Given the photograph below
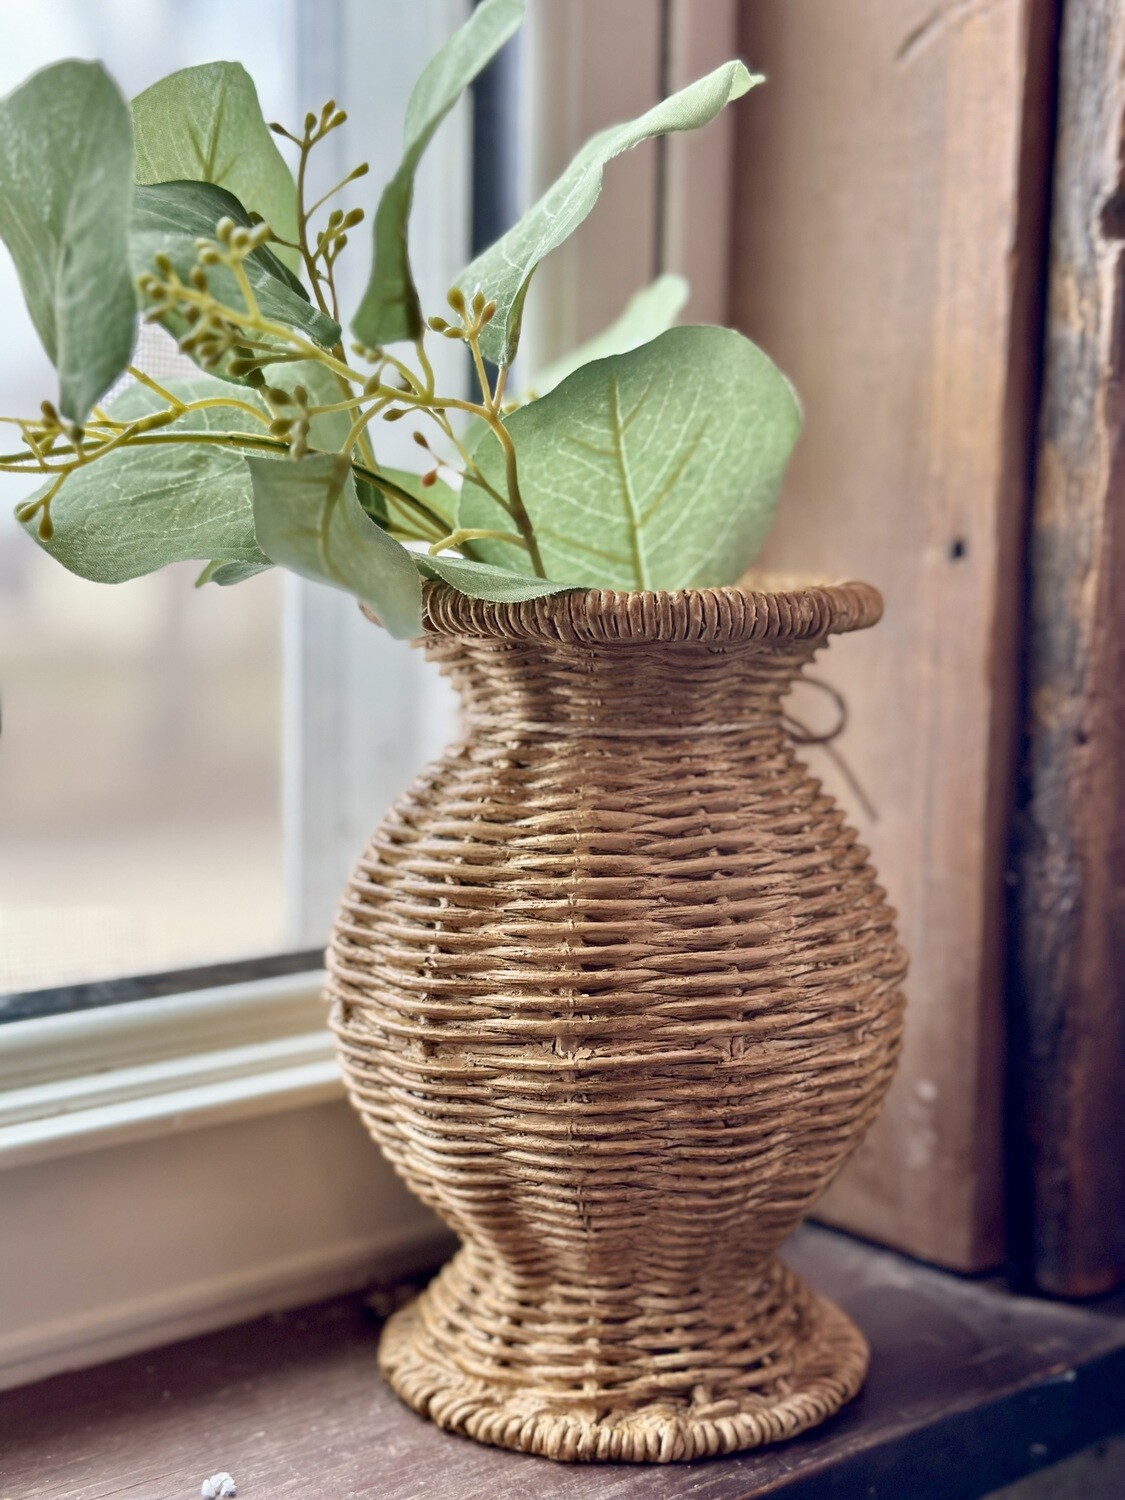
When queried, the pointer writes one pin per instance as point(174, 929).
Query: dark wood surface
point(970, 1388)
point(1069, 1016)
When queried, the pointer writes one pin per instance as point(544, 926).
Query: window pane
point(140, 824)
point(139, 799)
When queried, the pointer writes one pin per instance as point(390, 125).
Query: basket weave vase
point(617, 994)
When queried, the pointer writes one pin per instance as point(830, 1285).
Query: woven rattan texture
point(617, 993)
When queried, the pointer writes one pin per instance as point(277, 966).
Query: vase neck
point(628, 690)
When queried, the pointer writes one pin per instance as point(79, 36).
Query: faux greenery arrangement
point(649, 459)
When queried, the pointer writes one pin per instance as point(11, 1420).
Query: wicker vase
point(617, 994)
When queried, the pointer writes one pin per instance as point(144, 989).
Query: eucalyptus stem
point(468, 534)
point(515, 506)
point(473, 317)
point(248, 340)
point(472, 468)
point(424, 361)
point(239, 269)
point(314, 132)
point(17, 463)
point(358, 428)
point(153, 385)
point(473, 341)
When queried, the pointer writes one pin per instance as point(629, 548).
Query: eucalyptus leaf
point(504, 271)
point(656, 469)
point(150, 504)
point(308, 519)
point(204, 124)
point(169, 217)
point(650, 312)
point(390, 309)
point(481, 580)
point(187, 209)
point(227, 573)
point(66, 182)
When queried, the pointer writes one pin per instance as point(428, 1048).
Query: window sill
point(177, 1165)
point(970, 1388)
point(95, 1078)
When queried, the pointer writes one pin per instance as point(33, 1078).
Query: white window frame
point(176, 1164)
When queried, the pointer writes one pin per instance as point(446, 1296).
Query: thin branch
point(153, 385)
point(469, 534)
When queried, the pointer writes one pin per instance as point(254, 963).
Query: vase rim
point(794, 612)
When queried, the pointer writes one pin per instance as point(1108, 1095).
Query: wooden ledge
point(970, 1389)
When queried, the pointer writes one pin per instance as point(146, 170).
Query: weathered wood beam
point(1069, 1006)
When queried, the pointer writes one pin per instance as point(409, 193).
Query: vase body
point(618, 995)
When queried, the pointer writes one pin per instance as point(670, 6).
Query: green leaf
point(657, 469)
point(390, 309)
point(308, 519)
point(650, 312)
point(204, 124)
point(227, 573)
point(185, 211)
point(481, 580)
point(169, 217)
point(143, 507)
point(66, 181)
point(503, 272)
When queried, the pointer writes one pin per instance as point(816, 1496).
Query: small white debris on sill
point(218, 1487)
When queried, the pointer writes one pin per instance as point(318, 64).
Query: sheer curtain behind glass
point(140, 823)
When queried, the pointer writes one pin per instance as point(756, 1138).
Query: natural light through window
point(140, 759)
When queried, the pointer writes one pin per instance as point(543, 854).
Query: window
point(185, 777)
point(161, 807)
point(197, 1133)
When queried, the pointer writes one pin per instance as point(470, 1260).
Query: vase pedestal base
point(602, 1376)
